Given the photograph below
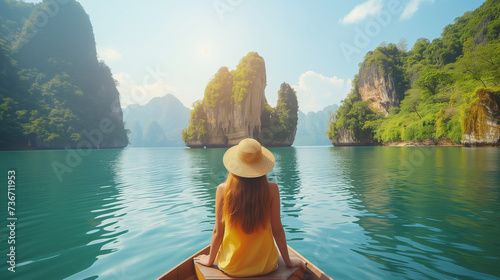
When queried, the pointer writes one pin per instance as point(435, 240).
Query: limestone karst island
point(440, 92)
point(234, 108)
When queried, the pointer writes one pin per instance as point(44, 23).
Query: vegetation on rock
point(197, 129)
point(354, 116)
point(245, 75)
point(283, 119)
point(439, 84)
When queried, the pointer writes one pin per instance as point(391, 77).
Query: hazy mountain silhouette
point(158, 123)
point(311, 128)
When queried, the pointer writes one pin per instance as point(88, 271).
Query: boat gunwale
point(185, 269)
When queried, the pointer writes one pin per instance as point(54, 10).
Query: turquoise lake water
point(356, 212)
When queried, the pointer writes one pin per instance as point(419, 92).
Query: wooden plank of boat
point(186, 271)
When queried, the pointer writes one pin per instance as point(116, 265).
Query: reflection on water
point(426, 212)
point(287, 176)
point(207, 172)
point(356, 212)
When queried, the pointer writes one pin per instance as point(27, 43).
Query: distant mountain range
point(158, 123)
point(311, 128)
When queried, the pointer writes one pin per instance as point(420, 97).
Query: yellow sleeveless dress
point(243, 255)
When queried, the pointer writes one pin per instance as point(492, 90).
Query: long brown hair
point(247, 202)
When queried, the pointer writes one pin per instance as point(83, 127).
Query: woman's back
point(244, 252)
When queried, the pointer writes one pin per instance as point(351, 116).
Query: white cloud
point(362, 11)
point(411, 8)
point(133, 93)
point(315, 91)
point(108, 54)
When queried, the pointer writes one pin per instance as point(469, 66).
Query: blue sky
point(156, 47)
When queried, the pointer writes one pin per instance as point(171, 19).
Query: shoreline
point(422, 143)
point(438, 142)
point(415, 143)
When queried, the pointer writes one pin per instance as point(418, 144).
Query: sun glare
point(205, 51)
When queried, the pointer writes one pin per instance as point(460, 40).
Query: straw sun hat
point(248, 159)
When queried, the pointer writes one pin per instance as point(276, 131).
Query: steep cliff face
point(58, 91)
point(234, 108)
point(482, 124)
point(57, 32)
point(375, 83)
point(247, 122)
point(346, 138)
point(229, 123)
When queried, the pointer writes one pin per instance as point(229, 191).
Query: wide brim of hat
point(248, 170)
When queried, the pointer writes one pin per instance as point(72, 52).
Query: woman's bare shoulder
point(273, 184)
point(221, 187)
point(273, 187)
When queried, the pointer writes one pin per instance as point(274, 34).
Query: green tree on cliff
point(431, 80)
point(197, 129)
point(283, 119)
point(245, 75)
point(482, 63)
point(355, 117)
point(219, 90)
